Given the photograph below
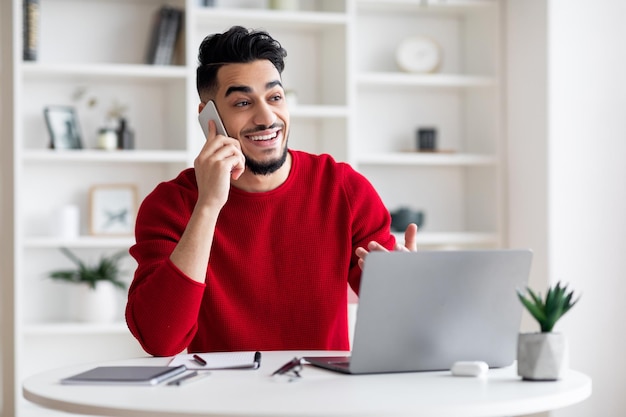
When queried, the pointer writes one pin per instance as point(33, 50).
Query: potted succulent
point(97, 301)
point(543, 356)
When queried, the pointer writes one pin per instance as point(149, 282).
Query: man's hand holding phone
point(219, 161)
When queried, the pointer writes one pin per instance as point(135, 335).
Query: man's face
point(251, 101)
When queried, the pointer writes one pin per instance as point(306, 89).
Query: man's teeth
point(264, 137)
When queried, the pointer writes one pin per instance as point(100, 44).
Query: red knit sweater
point(278, 269)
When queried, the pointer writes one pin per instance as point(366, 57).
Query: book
point(125, 375)
point(165, 32)
point(218, 360)
point(30, 29)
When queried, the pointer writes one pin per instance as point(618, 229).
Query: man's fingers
point(239, 166)
point(410, 245)
point(212, 130)
point(376, 246)
point(400, 248)
point(410, 238)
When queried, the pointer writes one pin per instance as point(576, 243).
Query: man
point(253, 248)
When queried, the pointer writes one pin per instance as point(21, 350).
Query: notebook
point(423, 311)
point(125, 375)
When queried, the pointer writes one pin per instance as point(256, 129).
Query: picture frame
point(62, 124)
point(112, 209)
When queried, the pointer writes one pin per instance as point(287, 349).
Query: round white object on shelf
point(418, 54)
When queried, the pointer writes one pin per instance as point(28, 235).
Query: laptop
point(423, 311)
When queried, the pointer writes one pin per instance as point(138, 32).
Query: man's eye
point(277, 97)
point(242, 103)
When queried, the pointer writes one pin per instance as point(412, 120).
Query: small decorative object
point(63, 127)
point(427, 139)
point(116, 112)
point(404, 216)
point(418, 54)
point(544, 356)
point(97, 299)
point(80, 94)
point(113, 209)
point(125, 135)
point(107, 139)
point(66, 222)
point(116, 133)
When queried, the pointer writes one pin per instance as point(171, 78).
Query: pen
point(199, 360)
point(190, 377)
point(288, 366)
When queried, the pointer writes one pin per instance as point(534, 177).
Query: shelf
point(80, 242)
point(451, 238)
point(78, 71)
point(300, 20)
point(387, 79)
point(427, 159)
point(423, 6)
point(313, 112)
point(75, 328)
point(93, 155)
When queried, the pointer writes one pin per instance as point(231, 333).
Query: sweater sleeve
point(163, 303)
point(371, 220)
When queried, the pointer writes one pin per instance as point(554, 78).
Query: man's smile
point(267, 136)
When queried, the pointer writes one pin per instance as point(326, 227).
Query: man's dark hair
point(237, 45)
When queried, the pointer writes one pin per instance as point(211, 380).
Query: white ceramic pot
point(542, 356)
point(107, 139)
point(65, 223)
point(99, 305)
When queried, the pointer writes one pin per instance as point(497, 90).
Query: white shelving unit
point(459, 187)
point(352, 102)
point(101, 51)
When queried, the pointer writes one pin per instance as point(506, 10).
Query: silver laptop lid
point(424, 311)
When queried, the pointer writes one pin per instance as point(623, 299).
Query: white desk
point(318, 393)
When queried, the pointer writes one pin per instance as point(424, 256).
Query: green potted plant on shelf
point(106, 270)
point(98, 283)
point(544, 355)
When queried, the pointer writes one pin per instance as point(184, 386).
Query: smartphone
point(209, 112)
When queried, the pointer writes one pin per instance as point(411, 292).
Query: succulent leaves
point(558, 301)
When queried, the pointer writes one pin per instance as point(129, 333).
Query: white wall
point(587, 189)
point(526, 74)
point(568, 174)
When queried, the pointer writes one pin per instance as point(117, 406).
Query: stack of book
point(30, 29)
point(165, 31)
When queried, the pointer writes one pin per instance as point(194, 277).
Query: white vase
point(542, 356)
point(99, 305)
point(65, 223)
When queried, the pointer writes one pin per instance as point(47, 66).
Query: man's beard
point(268, 167)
